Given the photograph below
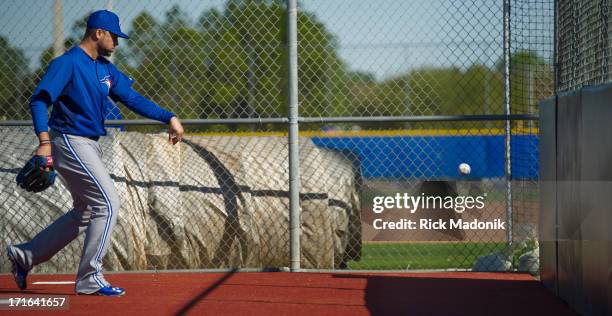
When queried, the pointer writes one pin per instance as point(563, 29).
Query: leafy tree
point(233, 63)
point(532, 79)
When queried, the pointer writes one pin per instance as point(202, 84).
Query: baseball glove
point(34, 176)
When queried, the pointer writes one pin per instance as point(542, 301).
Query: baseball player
point(78, 84)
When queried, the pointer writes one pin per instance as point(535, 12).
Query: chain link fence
point(385, 90)
point(584, 50)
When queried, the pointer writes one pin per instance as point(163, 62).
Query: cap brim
point(121, 34)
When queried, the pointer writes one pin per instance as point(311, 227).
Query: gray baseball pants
point(78, 160)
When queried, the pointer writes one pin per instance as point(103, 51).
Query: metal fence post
point(58, 29)
point(507, 87)
point(294, 174)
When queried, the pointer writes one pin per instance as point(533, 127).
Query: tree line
point(232, 63)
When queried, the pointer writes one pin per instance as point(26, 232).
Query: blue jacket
point(78, 87)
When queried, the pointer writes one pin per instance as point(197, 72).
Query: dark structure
point(576, 198)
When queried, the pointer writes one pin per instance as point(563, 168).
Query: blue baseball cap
point(105, 20)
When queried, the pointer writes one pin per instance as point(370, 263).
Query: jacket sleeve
point(122, 91)
point(49, 89)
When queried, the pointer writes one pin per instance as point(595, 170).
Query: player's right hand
point(175, 131)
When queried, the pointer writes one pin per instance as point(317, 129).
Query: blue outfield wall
point(438, 157)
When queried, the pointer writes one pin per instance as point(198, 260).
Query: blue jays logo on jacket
point(107, 81)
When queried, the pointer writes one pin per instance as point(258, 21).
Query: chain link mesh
point(228, 59)
point(423, 163)
point(412, 58)
point(531, 80)
point(584, 50)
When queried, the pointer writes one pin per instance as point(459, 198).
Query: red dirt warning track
point(282, 293)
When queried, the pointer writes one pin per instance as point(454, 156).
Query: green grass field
point(401, 256)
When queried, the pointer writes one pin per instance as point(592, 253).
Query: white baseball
point(464, 169)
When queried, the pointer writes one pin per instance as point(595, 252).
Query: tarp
point(210, 202)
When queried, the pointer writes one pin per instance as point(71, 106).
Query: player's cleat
point(108, 291)
point(19, 273)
